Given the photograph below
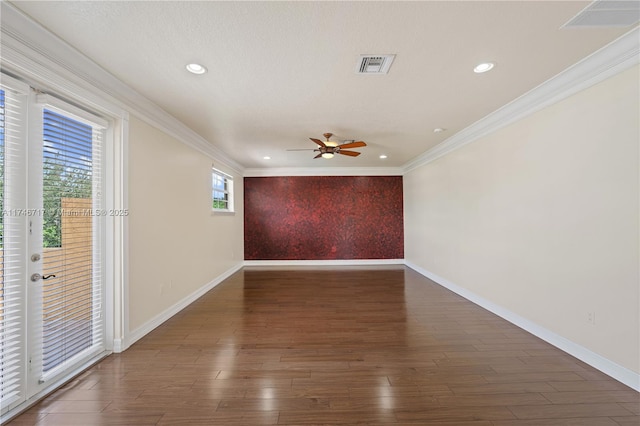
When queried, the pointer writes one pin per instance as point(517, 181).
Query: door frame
point(37, 380)
point(27, 72)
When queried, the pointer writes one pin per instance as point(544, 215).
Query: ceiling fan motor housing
point(329, 148)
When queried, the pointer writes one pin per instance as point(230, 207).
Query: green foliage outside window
point(219, 204)
point(60, 182)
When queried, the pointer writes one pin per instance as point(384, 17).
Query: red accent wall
point(323, 217)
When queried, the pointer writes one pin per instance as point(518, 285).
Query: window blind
point(13, 113)
point(72, 216)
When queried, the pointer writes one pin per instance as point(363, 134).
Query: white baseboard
point(336, 262)
point(150, 325)
point(608, 367)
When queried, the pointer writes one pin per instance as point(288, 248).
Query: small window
point(222, 191)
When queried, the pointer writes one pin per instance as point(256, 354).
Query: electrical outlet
point(591, 318)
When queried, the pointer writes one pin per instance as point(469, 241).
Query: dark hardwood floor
point(360, 345)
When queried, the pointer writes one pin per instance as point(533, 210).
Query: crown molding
point(324, 171)
point(617, 56)
point(30, 51)
point(33, 53)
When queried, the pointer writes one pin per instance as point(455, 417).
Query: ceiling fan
point(329, 148)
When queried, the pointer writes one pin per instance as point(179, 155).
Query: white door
point(51, 288)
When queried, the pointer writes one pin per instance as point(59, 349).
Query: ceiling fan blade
point(349, 153)
point(353, 145)
point(317, 156)
point(319, 142)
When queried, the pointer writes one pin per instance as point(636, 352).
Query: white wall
point(176, 245)
point(541, 218)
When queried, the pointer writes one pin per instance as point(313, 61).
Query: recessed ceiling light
point(266, 157)
point(196, 68)
point(438, 130)
point(484, 67)
point(383, 156)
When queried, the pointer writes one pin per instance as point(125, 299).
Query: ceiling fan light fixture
point(328, 149)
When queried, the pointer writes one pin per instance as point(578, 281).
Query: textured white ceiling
point(281, 72)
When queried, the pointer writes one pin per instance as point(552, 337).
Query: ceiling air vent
point(607, 13)
point(374, 64)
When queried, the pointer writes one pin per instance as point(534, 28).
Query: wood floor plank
point(534, 376)
point(273, 404)
point(63, 406)
point(633, 407)
point(454, 414)
point(627, 421)
point(98, 419)
point(28, 419)
point(501, 388)
point(377, 345)
point(497, 399)
point(564, 411)
point(586, 397)
point(575, 421)
point(584, 385)
point(348, 417)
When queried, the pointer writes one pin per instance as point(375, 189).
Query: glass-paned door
point(71, 278)
point(51, 239)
